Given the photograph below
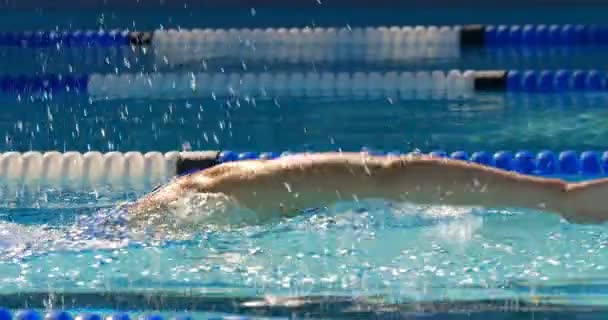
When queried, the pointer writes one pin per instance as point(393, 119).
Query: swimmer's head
point(193, 162)
point(199, 209)
point(192, 210)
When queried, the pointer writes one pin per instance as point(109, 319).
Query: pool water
point(349, 260)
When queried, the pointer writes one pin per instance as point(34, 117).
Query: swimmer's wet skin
point(285, 185)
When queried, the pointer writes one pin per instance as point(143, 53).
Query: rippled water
point(397, 251)
point(487, 121)
point(52, 240)
point(68, 242)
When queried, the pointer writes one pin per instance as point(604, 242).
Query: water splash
point(197, 214)
point(369, 247)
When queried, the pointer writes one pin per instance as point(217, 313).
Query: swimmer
point(288, 185)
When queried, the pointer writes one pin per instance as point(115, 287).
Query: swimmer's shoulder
point(223, 171)
point(302, 161)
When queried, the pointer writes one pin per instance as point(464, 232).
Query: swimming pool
point(362, 260)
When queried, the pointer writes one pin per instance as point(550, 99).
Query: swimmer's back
point(280, 185)
point(287, 167)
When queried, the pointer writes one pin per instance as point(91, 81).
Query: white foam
point(197, 209)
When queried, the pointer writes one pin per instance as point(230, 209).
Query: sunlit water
point(53, 240)
point(397, 251)
point(59, 241)
point(486, 122)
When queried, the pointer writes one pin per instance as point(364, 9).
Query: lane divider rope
point(543, 163)
point(30, 314)
point(396, 43)
point(459, 35)
point(139, 170)
point(404, 85)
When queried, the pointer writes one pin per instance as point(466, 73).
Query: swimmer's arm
point(447, 182)
point(324, 179)
point(458, 183)
point(287, 185)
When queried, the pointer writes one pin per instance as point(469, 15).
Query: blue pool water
point(350, 260)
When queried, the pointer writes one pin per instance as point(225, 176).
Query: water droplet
point(476, 183)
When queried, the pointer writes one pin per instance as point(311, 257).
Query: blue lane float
point(546, 81)
point(70, 83)
point(43, 39)
point(543, 163)
point(543, 35)
point(28, 314)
